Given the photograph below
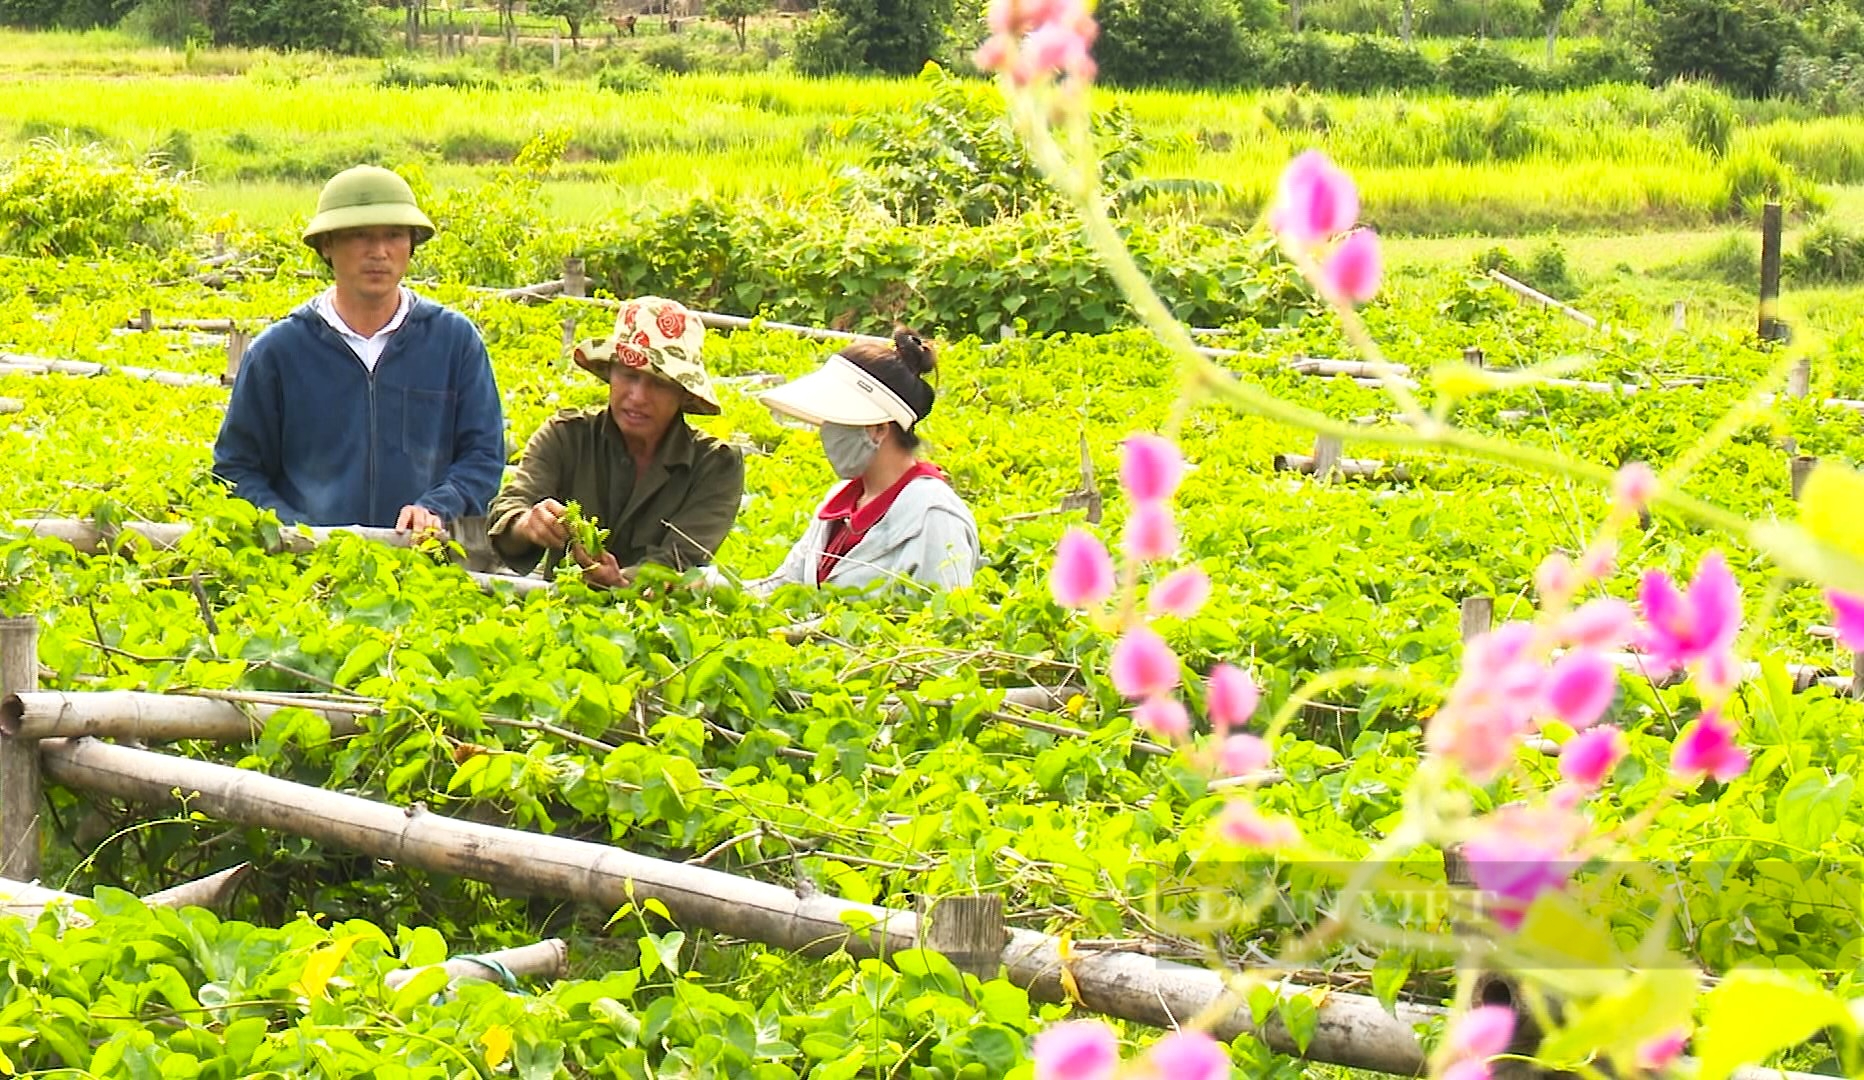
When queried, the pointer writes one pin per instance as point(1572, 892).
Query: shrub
point(400, 74)
point(817, 48)
point(1177, 42)
point(668, 56)
point(1295, 111)
point(626, 78)
point(1707, 119)
point(73, 201)
point(1736, 43)
point(339, 26)
point(1299, 60)
point(1753, 176)
point(1606, 62)
point(1473, 69)
point(1372, 64)
point(65, 14)
point(893, 36)
point(1827, 255)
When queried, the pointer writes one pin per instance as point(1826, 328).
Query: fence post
point(1478, 616)
point(1679, 318)
point(1803, 464)
point(1327, 451)
point(145, 320)
point(237, 341)
point(575, 277)
point(1473, 357)
point(1799, 380)
point(967, 930)
point(1771, 328)
point(20, 783)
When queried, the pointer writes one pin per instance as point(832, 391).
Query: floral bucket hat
point(661, 336)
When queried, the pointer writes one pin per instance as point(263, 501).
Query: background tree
point(573, 12)
point(893, 36)
point(738, 13)
point(1737, 43)
point(1550, 12)
point(1404, 21)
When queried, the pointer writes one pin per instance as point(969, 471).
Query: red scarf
point(847, 525)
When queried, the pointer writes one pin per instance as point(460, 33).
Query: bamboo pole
point(21, 789)
point(1356, 369)
point(211, 892)
point(28, 901)
point(1352, 1030)
point(547, 959)
point(86, 536)
point(1351, 468)
point(16, 364)
point(1529, 293)
point(11, 405)
point(156, 718)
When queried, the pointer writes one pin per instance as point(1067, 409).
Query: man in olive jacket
point(666, 493)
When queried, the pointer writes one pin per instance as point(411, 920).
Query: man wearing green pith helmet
point(368, 405)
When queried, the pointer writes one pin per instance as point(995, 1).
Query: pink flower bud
point(1660, 1053)
point(1848, 616)
point(1143, 665)
point(1083, 572)
point(1242, 755)
point(992, 55)
point(1600, 624)
point(1241, 823)
point(1231, 696)
point(1150, 468)
point(1077, 1050)
point(1314, 201)
point(1588, 758)
point(1707, 748)
point(1181, 593)
point(1351, 274)
point(1599, 559)
point(1556, 579)
point(1634, 485)
point(1151, 534)
point(1482, 1033)
point(1163, 715)
point(1187, 1055)
point(1580, 687)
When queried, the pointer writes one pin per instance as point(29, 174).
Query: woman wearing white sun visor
point(893, 517)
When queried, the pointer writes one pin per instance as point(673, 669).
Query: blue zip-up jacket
point(317, 437)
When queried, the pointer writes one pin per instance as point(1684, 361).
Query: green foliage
point(1734, 43)
point(895, 37)
point(1474, 69)
point(1169, 42)
point(575, 13)
point(80, 200)
point(585, 532)
point(1828, 254)
point(495, 233)
point(737, 13)
point(63, 14)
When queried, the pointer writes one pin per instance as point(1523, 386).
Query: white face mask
point(850, 451)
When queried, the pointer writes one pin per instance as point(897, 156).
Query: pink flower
point(1151, 534)
point(1150, 468)
point(1555, 579)
point(1588, 758)
point(1597, 562)
point(1580, 687)
point(992, 55)
point(1352, 272)
point(1241, 755)
point(1143, 665)
point(1314, 201)
point(1163, 715)
point(1848, 614)
point(1033, 40)
point(1520, 852)
point(1471, 1069)
point(1600, 624)
point(1491, 704)
point(1187, 1055)
point(1181, 593)
point(1053, 49)
point(1634, 485)
point(1083, 572)
point(1689, 627)
point(1659, 1053)
point(1231, 697)
point(1077, 1050)
point(1241, 823)
point(1481, 1033)
point(1707, 748)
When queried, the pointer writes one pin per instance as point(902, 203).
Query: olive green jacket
point(676, 514)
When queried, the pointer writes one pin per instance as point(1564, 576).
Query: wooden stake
point(1326, 455)
point(1350, 1029)
point(1802, 466)
point(1771, 328)
point(1473, 357)
point(1857, 675)
point(1799, 380)
point(575, 278)
point(967, 930)
point(1679, 316)
point(1478, 616)
point(146, 320)
point(19, 758)
point(237, 342)
point(569, 334)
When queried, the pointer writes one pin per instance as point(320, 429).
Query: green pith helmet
point(363, 197)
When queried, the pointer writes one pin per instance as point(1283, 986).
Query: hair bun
point(914, 351)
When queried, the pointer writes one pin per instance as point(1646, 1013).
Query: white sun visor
point(839, 393)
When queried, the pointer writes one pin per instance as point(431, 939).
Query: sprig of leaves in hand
point(585, 532)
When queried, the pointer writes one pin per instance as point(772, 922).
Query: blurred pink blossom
point(1467, 1069)
point(1634, 486)
point(1848, 616)
point(1659, 1053)
point(1181, 593)
point(1031, 40)
point(1151, 534)
point(1314, 201)
point(1083, 572)
point(1077, 1050)
point(1352, 271)
point(1241, 755)
point(1164, 715)
point(1231, 697)
point(1693, 626)
point(1492, 703)
point(1555, 579)
point(1150, 467)
point(1599, 624)
point(1241, 823)
point(1707, 748)
point(1186, 1055)
point(1143, 665)
point(1579, 687)
point(1597, 561)
point(1589, 757)
point(1481, 1033)
point(1520, 852)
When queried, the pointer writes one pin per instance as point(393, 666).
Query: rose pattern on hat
point(670, 323)
point(630, 356)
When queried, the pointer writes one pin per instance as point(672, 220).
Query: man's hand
point(543, 525)
point(419, 519)
point(603, 573)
